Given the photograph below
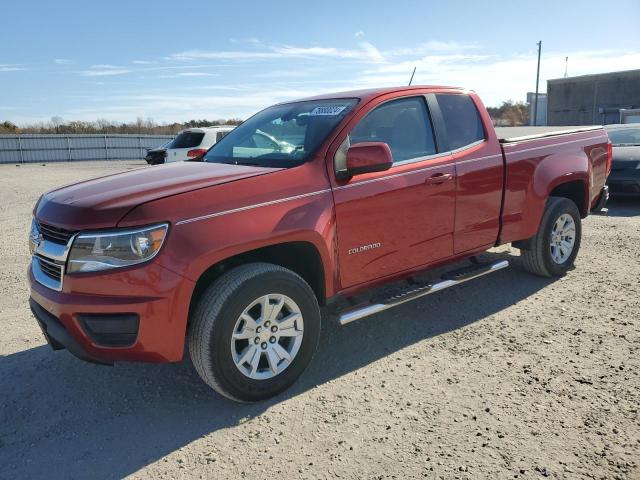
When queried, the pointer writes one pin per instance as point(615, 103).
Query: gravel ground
point(510, 376)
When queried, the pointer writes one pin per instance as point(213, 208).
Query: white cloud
point(220, 54)
point(103, 73)
point(367, 52)
point(198, 74)
point(164, 107)
point(359, 33)
point(258, 74)
point(103, 66)
point(191, 74)
point(373, 54)
point(282, 74)
point(11, 67)
point(496, 78)
point(104, 70)
point(431, 47)
point(63, 61)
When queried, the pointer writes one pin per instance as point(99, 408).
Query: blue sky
point(174, 61)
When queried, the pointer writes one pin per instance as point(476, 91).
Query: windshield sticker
point(327, 110)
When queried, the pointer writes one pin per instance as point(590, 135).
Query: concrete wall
point(592, 99)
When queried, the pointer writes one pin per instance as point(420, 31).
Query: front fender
point(192, 248)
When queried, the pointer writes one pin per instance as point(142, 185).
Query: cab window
point(403, 124)
point(462, 121)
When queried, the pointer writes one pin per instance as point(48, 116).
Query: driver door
point(392, 221)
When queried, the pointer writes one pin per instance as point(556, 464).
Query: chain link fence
point(64, 148)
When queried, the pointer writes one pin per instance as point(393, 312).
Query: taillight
point(196, 152)
point(609, 157)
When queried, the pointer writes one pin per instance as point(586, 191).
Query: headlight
point(92, 252)
point(34, 236)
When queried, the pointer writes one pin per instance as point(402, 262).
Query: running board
point(449, 280)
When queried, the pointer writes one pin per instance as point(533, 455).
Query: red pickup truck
point(305, 204)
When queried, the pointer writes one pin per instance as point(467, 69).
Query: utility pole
point(566, 67)
point(535, 101)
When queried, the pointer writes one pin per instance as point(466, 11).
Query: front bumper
point(155, 297)
point(57, 336)
point(624, 182)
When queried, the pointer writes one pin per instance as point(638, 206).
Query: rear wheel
point(552, 251)
point(254, 331)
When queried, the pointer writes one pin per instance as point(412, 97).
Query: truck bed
point(573, 154)
point(520, 134)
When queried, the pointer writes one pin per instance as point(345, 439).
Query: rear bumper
point(602, 199)
point(137, 315)
point(624, 182)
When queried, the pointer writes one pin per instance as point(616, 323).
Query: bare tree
point(57, 122)
point(101, 125)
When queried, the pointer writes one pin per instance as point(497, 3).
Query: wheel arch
point(572, 187)
point(301, 257)
point(576, 190)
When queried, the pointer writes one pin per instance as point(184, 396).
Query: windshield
point(281, 136)
point(625, 136)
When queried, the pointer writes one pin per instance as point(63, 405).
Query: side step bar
point(449, 280)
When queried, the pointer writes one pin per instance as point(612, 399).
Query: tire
point(216, 353)
point(540, 257)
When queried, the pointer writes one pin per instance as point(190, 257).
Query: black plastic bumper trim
point(111, 329)
point(604, 198)
point(57, 336)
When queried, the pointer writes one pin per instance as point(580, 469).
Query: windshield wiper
point(244, 163)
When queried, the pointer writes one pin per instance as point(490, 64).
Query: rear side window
point(403, 124)
point(220, 136)
point(461, 120)
point(187, 140)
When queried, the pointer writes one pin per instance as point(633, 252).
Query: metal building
point(592, 99)
point(541, 112)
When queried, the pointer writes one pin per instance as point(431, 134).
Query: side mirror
point(368, 157)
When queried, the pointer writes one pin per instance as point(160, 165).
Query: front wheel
point(552, 251)
point(254, 331)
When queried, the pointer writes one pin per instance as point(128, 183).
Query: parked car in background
point(194, 142)
point(157, 155)
point(625, 170)
point(337, 200)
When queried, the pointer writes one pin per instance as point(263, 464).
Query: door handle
point(438, 178)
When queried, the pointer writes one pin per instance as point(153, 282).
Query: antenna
point(412, 74)
point(566, 67)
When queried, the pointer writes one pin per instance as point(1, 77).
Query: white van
point(193, 142)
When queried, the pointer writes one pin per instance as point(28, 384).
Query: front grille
point(55, 234)
point(50, 268)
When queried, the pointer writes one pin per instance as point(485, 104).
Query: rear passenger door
point(402, 218)
point(479, 169)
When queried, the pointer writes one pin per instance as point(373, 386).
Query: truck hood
point(102, 202)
